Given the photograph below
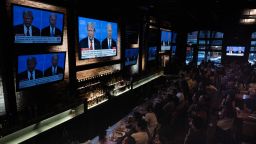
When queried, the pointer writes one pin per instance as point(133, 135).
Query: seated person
point(226, 120)
point(196, 133)
point(151, 119)
point(141, 135)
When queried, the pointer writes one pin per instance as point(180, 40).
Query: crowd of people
point(203, 97)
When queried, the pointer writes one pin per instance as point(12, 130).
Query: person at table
point(141, 135)
point(31, 73)
point(51, 30)
point(26, 29)
point(151, 119)
point(196, 133)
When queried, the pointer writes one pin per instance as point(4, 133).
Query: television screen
point(38, 69)
point(152, 53)
point(173, 49)
point(131, 56)
point(214, 57)
point(96, 38)
point(235, 50)
point(166, 39)
point(33, 25)
point(174, 36)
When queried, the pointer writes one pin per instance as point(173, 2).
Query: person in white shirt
point(27, 29)
point(140, 136)
point(89, 42)
point(151, 119)
point(109, 42)
point(31, 73)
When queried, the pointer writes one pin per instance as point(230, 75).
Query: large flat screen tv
point(166, 40)
point(38, 69)
point(37, 26)
point(235, 50)
point(131, 56)
point(97, 38)
point(152, 53)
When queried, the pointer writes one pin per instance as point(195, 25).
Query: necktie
point(54, 72)
point(52, 32)
point(28, 34)
point(109, 43)
point(31, 75)
point(90, 44)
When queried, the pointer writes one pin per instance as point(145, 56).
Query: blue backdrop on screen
point(46, 16)
point(166, 36)
point(41, 17)
point(18, 17)
point(100, 28)
point(131, 52)
point(43, 61)
point(48, 60)
point(22, 62)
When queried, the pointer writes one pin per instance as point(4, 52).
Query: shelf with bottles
point(120, 88)
point(94, 104)
point(96, 98)
point(119, 92)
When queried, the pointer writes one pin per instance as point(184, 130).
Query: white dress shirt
point(33, 75)
point(52, 31)
point(109, 43)
point(30, 30)
point(89, 43)
point(54, 70)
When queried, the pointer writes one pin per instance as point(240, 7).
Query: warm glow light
point(253, 12)
point(247, 21)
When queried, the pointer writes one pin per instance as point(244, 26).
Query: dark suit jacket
point(105, 43)
point(19, 29)
point(24, 75)
point(46, 31)
point(84, 44)
point(48, 72)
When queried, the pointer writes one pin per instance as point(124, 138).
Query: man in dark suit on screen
point(51, 30)
point(109, 43)
point(31, 73)
point(26, 29)
point(54, 69)
point(90, 42)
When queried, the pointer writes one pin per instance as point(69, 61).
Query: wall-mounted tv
point(38, 69)
point(97, 38)
point(131, 56)
point(166, 40)
point(173, 49)
point(37, 26)
point(152, 53)
point(235, 50)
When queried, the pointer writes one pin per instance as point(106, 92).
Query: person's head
point(31, 63)
point(109, 30)
point(55, 59)
point(196, 123)
point(52, 19)
point(141, 125)
point(27, 18)
point(150, 108)
point(90, 30)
